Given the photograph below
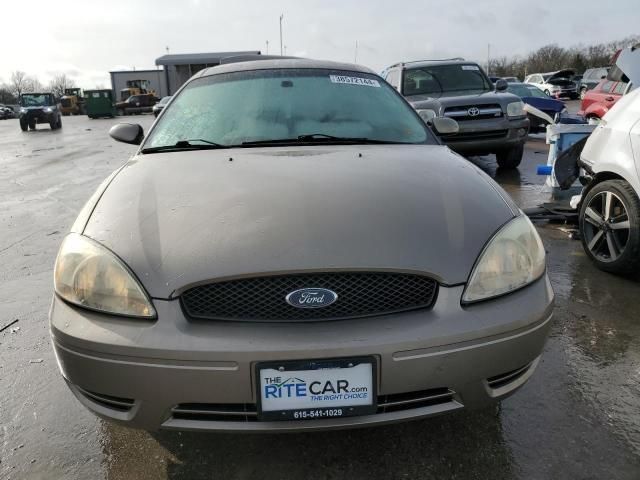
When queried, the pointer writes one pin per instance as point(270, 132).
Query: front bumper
point(481, 137)
point(565, 92)
point(40, 116)
point(179, 374)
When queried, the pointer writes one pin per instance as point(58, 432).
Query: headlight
point(48, 109)
point(515, 109)
point(23, 110)
point(426, 113)
point(513, 258)
point(89, 275)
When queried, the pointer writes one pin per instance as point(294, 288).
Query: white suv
point(555, 84)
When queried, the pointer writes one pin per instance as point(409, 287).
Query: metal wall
point(156, 78)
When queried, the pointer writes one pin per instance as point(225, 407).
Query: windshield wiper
point(318, 137)
point(185, 145)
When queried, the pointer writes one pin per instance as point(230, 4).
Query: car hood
point(186, 217)
point(565, 74)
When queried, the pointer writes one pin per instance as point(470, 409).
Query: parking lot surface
point(578, 417)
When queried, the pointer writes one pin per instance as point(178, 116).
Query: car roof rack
point(453, 59)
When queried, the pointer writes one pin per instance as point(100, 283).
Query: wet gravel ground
point(578, 417)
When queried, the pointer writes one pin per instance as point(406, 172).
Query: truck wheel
point(610, 227)
point(510, 158)
point(32, 124)
point(24, 125)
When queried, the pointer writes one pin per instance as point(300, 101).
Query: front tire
point(32, 125)
point(510, 158)
point(610, 227)
point(24, 126)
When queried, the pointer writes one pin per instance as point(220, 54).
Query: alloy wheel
point(606, 226)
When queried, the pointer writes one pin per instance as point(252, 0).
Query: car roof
point(288, 63)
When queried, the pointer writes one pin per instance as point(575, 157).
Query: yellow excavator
point(136, 87)
point(72, 102)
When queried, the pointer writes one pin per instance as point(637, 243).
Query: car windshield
point(438, 79)
point(285, 104)
point(526, 91)
point(35, 100)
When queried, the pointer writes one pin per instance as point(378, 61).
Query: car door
point(599, 100)
point(607, 97)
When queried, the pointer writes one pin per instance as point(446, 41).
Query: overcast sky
point(88, 38)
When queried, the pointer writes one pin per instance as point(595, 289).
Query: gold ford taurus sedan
point(292, 248)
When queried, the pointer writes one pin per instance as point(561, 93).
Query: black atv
point(39, 108)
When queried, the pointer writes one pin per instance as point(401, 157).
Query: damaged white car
point(609, 206)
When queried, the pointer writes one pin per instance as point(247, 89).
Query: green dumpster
point(99, 103)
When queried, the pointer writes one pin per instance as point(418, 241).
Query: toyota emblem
point(473, 111)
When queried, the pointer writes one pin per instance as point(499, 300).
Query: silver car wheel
point(606, 226)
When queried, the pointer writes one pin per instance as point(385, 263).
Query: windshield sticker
point(470, 67)
point(354, 80)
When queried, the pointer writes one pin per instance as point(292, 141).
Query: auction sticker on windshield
point(316, 389)
point(369, 82)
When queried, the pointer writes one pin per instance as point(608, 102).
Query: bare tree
point(6, 97)
point(19, 83)
point(33, 85)
point(553, 57)
point(60, 83)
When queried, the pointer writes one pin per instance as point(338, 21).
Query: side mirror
point(444, 125)
point(127, 133)
point(501, 85)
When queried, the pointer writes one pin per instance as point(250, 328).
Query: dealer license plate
point(316, 389)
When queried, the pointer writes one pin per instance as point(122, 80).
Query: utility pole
point(355, 57)
point(488, 57)
point(281, 17)
point(267, 47)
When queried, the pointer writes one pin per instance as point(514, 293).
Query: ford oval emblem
point(311, 298)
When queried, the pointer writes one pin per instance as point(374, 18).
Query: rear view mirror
point(127, 133)
point(501, 85)
point(444, 125)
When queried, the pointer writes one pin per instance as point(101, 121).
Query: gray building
point(180, 67)
point(156, 79)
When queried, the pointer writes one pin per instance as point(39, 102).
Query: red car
point(601, 98)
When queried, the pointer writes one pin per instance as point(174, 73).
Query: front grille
point(360, 294)
point(461, 113)
point(108, 401)
point(406, 401)
point(247, 412)
point(471, 136)
point(216, 412)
